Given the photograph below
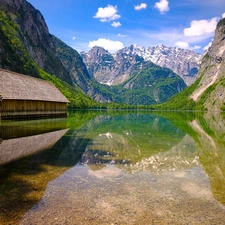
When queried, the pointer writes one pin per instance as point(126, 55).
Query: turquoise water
point(114, 167)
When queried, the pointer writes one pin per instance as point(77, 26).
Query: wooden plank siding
point(30, 108)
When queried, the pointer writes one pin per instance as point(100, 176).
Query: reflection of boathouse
point(25, 96)
point(14, 149)
point(19, 139)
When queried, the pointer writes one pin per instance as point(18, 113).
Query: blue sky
point(114, 24)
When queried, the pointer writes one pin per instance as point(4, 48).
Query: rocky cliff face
point(210, 89)
point(107, 68)
point(100, 64)
point(33, 33)
point(79, 75)
point(114, 69)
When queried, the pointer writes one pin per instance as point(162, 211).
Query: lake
point(114, 167)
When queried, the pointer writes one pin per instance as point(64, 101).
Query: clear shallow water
point(114, 168)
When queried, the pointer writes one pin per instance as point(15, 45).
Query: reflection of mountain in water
point(208, 132)
point(146, 146)
point(119, 151)
point(181, 157)
point(210, 141)
point(142, 142)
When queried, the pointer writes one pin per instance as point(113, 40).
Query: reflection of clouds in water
point(124, 198)
point(180, 174)
point(197, 191)
point(108, 135)
point(106, 172)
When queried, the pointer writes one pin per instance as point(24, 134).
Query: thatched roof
point(16, 86)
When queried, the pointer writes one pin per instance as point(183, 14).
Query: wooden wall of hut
point(18, 108)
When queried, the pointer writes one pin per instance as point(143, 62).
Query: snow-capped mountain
point(116, 68)
point(110, 69)
point(183, 62)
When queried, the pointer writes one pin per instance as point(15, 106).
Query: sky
point(114, 24)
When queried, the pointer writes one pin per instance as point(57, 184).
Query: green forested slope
point(208, 92)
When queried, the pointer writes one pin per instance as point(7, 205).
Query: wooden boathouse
point(26, 96)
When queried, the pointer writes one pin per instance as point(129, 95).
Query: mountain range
point(113, 69)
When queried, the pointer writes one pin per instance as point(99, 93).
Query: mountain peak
point(99, 50)
point(182, 62)
point(160, 46)
point(134, 46)
point(131, 49)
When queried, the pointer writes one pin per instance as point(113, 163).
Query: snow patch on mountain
point(183, 62)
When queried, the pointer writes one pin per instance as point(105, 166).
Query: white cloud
point(207, 46)
point(167, 36)
point(74, 38)
point(141, 6)
point(107, 44)
point(223, 15)
point(195, 47)
point(182, 44)
point(116, 24)
point(162, 6)
point(201, 27)
point(121, 35)
point(107, 14)
point(185, 45)
point(170, 37)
